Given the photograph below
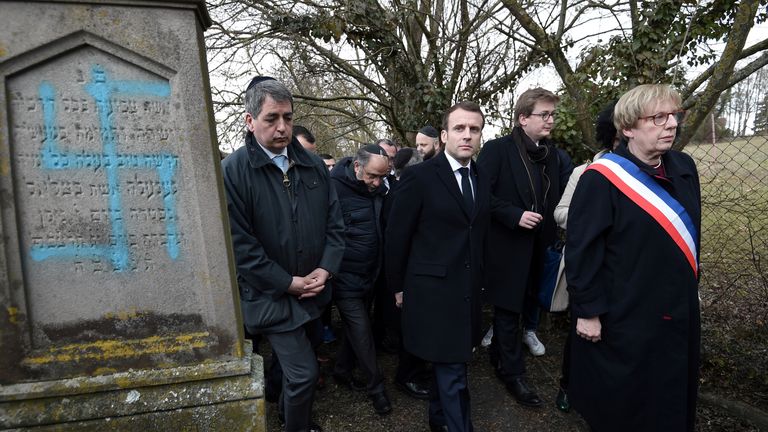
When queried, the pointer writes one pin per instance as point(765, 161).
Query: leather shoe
point(434, 427)
point(561, 402)
point(413, 389)
point(380, 403)
point(522, 393)
point(349, 381)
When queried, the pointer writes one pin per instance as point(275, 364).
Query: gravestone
point(119, 305)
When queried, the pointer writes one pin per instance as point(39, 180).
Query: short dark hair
point(326, 156)
point(527, 102)
point(385, 141)
point(466, 106)
point(302, 131)
point(404, 158)
point(605, 130)
point(257, 93)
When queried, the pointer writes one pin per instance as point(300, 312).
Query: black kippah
point(428, 131)
point(402, 157)
point(258, 79)
point(375, 149)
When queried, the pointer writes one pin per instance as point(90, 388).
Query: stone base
point(214, 396)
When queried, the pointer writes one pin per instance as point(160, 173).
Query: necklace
point(658, 164)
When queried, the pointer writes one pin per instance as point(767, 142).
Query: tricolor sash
point(643, 190)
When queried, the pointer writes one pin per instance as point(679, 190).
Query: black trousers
point(507, 347)
point(386, 316)
point(449, 397)
point(300, 373)
point(357, 343)
point(565, 371)
point(273, 377)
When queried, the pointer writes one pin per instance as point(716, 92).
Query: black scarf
point(535, 158)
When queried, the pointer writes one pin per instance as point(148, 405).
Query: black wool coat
point(624, 268)
point(279, 232)
point(434, 255)
point(515, 255)
point(363, 234)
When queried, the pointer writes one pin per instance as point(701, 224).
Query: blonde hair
point(634, 103)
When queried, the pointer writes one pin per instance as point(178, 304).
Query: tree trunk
point(745, 19)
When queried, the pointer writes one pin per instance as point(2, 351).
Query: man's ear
point(249, 122)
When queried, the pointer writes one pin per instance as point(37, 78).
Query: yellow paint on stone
point(3, 50)
point(5, 167)
point(13, 314)
point(123, 315)
point(113, 348)
point(105, 371)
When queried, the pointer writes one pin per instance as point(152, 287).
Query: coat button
point(466, 265)
point(467, 298)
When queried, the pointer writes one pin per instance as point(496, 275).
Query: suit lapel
point(448, 178)
point(476, 187)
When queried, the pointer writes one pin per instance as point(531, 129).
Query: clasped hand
point(309, 285)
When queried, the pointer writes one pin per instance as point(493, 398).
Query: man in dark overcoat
point(525, 172)
point(435, 257)
point(287, 235)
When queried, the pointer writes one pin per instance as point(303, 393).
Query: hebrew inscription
point(93, 201)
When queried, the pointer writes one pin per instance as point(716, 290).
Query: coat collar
point(672, 167)
point(258, 158)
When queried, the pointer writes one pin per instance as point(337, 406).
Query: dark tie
point(466, 188)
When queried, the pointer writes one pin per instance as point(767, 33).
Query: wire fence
point(734, 249)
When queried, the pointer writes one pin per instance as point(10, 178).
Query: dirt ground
point(338, 409)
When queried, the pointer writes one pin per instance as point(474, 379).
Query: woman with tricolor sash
point(632, 268)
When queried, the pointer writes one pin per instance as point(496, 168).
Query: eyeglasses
point(545, 115)
point(661, 119)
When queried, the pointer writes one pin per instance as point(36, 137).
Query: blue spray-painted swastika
point(102, 90)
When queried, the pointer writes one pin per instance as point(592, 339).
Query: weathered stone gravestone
point(118, 304)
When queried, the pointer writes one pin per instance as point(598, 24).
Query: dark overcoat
point(623, 267)
point(280, 230)
point(363, 234)
point(511, 248)
point(434, 255)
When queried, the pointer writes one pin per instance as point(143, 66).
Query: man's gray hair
point(257, 94)
point(364, 154)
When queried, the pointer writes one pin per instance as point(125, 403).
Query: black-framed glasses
point(545, 115)
point(661, 119)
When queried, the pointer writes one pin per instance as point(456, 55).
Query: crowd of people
point(408, 243)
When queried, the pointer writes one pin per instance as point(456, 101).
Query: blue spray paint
point(102, 90)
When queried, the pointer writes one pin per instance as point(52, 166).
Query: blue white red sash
point(643, 190)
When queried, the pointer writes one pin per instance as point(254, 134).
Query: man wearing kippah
point(288, 238)
point(427, 142)
point(359, 182)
